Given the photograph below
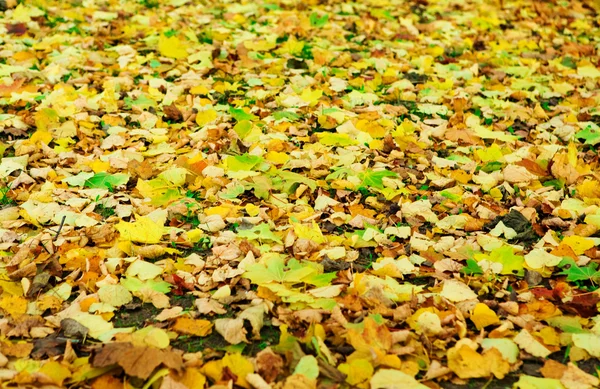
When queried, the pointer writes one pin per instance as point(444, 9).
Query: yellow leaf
point(589, 189)
point(171, 47)
point(151, 336)
point(41, 136)
point(96, 324)
point(15, 306)
point(277, 158)
point(499, 367)
point(199, 90)
point(205, 117)
point(492, 153)
point(578, 244)
point(252, 210)
point(189, 326)
point(358, 372)
point(483, 316)
point(99, 166)
point(467, 363)
point(373, 342)
point(46, 119)
point(549, 336)
point(310, 232)
point(225, 211)
point(259, 45)
point(143, 230)
point(193, 379)
point(394, 379)
point(311, 96)
point(240, 366)
point(237, 364)
point(55, 371)
point(588, 72)
point(14, 288)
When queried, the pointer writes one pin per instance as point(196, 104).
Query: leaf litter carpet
point(300, 194)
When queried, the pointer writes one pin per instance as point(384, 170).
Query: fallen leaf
point(136, 361)
point(483, 316)
point(188, 326)
point(527, 342)
point(232, 330)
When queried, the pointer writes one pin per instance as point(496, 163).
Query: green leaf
point(335, 139)
point(320, 280)
point(308, 367)
point(576, 273)
point(557, 184)
point(291, 116)
point(511, 263)
point(569, 62)
point(472, 268)
point(106, 180)
point(242, 128)
point(590, 135)
point(141, 102)
point(372, 179)
point(134, 284)
point(318, 21)
point(492, 166)
point(232, 192)
point(259, 232)
point(154, 63)
point(261, 185)
point(571, 324)
point(275, 271)
point(271, 7)
point(285, 180)
point(243, 162)
point(239, 114)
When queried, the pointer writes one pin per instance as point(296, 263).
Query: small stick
point(62, 223)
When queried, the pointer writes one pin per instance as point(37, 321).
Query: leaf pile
point(278, 194)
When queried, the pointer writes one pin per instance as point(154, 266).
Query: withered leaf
point(136, 361)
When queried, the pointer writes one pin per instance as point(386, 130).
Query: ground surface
point(288, 194)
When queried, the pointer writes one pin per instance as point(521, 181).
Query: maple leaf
point(590, 135)
point(297, 169)
point(274, 271)
point(136, 361)
point(577, 273)
point(106, 181)
point(472, 268)
point(239, 114)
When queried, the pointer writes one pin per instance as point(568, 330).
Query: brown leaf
point(6, 90)
point(135, 360)
point(532, 167)
point(269, 364)
point(16, 29)
point(23, 324)
point(173, 113)
point(19, 350)
point(553, 369)
point(562, 168)
point(143, 170)
point(575, 378)
point(232, 330)
point(50, 347)
point(73, 329)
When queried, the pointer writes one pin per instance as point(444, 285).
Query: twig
point(62, 223)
